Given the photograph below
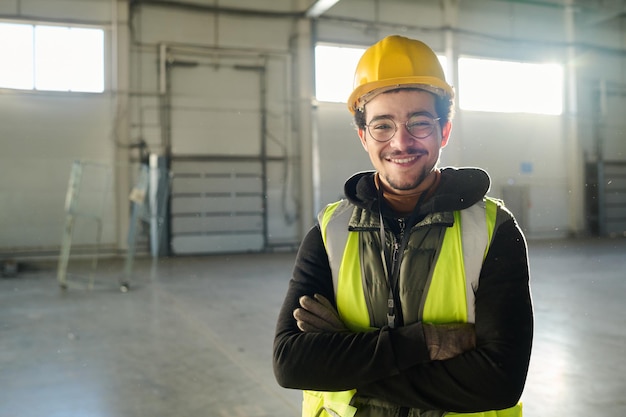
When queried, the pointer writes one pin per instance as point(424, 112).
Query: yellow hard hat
point(397, 62)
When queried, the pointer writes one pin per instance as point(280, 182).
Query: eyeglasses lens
point(418, 126)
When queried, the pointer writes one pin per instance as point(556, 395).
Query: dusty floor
point(193, 336)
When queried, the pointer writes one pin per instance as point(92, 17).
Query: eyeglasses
point(419, 126)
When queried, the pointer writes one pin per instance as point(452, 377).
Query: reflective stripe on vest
point(461, 256)
point(462, 253)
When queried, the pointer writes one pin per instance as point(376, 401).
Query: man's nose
point(402, 139)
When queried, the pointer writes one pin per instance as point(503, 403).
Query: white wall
point(41, 134)
point(339, 150)
point(41, 137)
point(522, 150)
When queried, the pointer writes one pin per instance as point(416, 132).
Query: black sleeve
point(335, 361)
point(492, 376)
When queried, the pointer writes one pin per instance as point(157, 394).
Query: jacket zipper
point(404, 411)
point(396, 244)
point(392, 308)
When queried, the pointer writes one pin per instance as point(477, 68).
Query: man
point(411, 297)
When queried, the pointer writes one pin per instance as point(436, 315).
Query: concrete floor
point(193, 337)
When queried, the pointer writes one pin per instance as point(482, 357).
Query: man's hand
point(318, 315)
point(446, 341)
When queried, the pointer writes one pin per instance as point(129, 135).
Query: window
point(484, 85)
point(334, 71)
point(511, 87)
point(52, 58)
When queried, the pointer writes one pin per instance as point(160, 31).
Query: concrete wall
point(217, 43)
point(43, 133)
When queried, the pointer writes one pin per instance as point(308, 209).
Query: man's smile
point(405, 159)
point(402, 160)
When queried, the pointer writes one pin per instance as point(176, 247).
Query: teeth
point(403, 160)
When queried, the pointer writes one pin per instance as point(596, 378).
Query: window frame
point(106, 57)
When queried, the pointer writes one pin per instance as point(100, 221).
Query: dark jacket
point(394, 364)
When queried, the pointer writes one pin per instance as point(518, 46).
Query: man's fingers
point(302, 314)
point(310, 304)
point(324, 301)
point(449, 340)
point(308, 322)
point(318, 313)
point(318, 309)
point(307, 328)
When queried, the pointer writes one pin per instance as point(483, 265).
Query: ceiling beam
point(320, 7)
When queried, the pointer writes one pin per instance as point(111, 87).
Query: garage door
point(217, 161)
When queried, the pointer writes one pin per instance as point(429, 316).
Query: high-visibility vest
point(448, 298)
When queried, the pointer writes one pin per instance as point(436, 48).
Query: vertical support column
point(120, 81)
point(453, 154)
point(264, 176)
point(304, 94)
point(164, 101)
point(575, 168)
point(600, 120)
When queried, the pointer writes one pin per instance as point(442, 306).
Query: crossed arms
point(416, 365)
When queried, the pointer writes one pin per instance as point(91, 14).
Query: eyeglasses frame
point(395, 124)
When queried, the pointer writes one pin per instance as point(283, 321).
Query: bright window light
point(16, 43)
point(52, 58)
point(511, 87)
point(69, 59)
point(334, 71)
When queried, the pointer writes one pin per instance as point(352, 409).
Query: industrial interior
point(161, 161)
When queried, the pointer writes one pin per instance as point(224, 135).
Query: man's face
point(404, 161)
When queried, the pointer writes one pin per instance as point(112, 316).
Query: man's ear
point(361, 133)
point(445, 133)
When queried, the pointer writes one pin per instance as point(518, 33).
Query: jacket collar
point(459, 189)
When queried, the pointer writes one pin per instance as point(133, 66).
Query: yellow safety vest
point(449, 299)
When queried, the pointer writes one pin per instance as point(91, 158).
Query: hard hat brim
point(366, 92)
